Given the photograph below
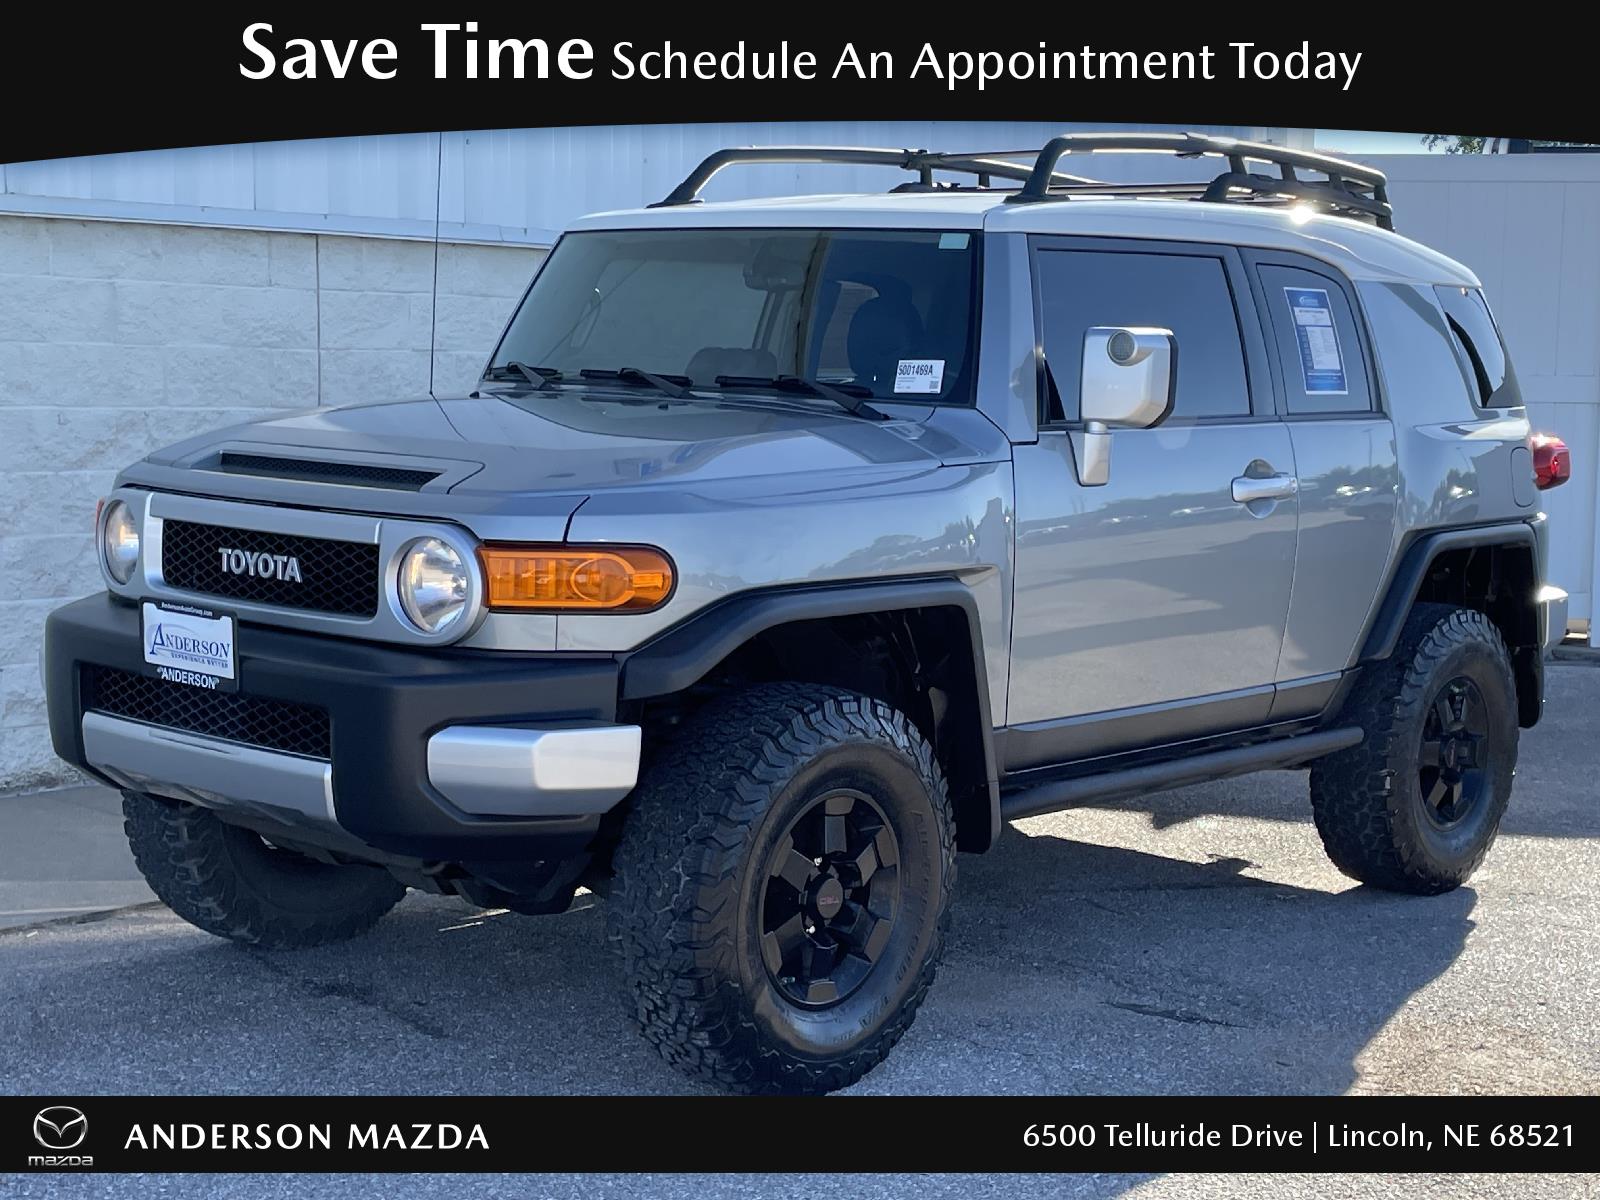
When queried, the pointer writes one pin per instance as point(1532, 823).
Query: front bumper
point(440, 755)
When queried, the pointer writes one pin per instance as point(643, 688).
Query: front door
point(1151, 608)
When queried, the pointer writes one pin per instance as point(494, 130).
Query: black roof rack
point(986, 166)
point(1346, 188)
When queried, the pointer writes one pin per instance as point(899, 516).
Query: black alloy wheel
point(833, 884)
point(1453, 760)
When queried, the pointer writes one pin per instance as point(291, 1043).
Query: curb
point(1588, 656)
point(88, 918)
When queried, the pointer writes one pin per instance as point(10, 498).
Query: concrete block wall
point(120, 337)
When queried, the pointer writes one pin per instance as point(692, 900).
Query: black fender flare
point(682, 655)
point(1406, 582)
point(1520, 625)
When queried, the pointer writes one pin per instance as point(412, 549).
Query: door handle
point(1247, 490)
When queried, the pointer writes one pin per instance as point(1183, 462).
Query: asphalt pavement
point(1190, 942)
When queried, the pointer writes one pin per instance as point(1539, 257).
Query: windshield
point(887, 313)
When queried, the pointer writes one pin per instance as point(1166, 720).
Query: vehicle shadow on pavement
point(1083, 968)
point(1073, 968)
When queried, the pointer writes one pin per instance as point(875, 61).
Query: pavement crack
point(1231, 883)
point(336, 989)
point(1105, 908)
point(1180, 1015)
point(990, 1048)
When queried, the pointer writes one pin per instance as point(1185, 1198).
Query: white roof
point(1360, 250)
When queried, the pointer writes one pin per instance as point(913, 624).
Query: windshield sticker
point(919, 376)
point(1321, 361)
point(954, 241)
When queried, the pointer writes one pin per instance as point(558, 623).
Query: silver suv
point(787, 547)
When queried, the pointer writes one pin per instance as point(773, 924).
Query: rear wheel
point(231, 882)
point(1416, 806)
point(783, 888)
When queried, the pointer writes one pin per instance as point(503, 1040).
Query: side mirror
point(1127, 383)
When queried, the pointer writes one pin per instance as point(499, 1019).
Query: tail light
point(1552, 461)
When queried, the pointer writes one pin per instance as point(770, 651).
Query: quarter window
point(1480, 348)
point(1188, 294)
point(1319, 345)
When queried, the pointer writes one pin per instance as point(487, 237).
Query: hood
point(571, 442)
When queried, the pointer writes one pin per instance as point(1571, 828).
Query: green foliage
point(1454, 143)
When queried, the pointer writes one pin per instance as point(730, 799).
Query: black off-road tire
point(1369, 800)
point(717, 808)
point(229, 882)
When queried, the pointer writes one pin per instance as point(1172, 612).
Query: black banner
point(132, 78)
point(849, 1134)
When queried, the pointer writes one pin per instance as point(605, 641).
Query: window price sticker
point(1321, 360)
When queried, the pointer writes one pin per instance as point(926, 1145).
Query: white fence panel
point(1529, 225)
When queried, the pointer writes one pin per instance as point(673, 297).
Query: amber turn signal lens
point(567, 578)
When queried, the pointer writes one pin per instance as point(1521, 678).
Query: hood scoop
point(316, 470)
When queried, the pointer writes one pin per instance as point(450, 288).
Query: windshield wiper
point(537, 378)
point(847, 396)
point(676, 386)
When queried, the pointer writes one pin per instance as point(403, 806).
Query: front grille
point(407, 479)
point(335, 577)
point(230, 716)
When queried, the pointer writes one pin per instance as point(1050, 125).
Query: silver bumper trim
point(209, 771)
point(558, 771)
point(1552, 614)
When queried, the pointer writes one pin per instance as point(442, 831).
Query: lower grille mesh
point(230, 716)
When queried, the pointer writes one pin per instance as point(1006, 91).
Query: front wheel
point(229, 881)
point(783, 888)
point(1416, 806)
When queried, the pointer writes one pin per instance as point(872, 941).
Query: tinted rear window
point(1479, 347)
point(1319, 345)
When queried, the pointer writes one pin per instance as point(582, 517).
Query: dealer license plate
point(194, 646)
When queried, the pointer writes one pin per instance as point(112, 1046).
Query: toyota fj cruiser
point(787, 547)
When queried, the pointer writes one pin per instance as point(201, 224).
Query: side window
point(1188, 294)
point(1478, 344)
point(1324, 370)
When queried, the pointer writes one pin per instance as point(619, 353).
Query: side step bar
point(1058, 794)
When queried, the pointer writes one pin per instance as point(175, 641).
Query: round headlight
point(121, 545)
point(433, 585)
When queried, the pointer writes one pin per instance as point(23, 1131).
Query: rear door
point(1151, 608)
point(1344, 446)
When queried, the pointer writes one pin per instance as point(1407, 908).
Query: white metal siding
point(514, 185)
point(1529, 226)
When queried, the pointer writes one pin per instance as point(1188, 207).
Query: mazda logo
point(60, 1128)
